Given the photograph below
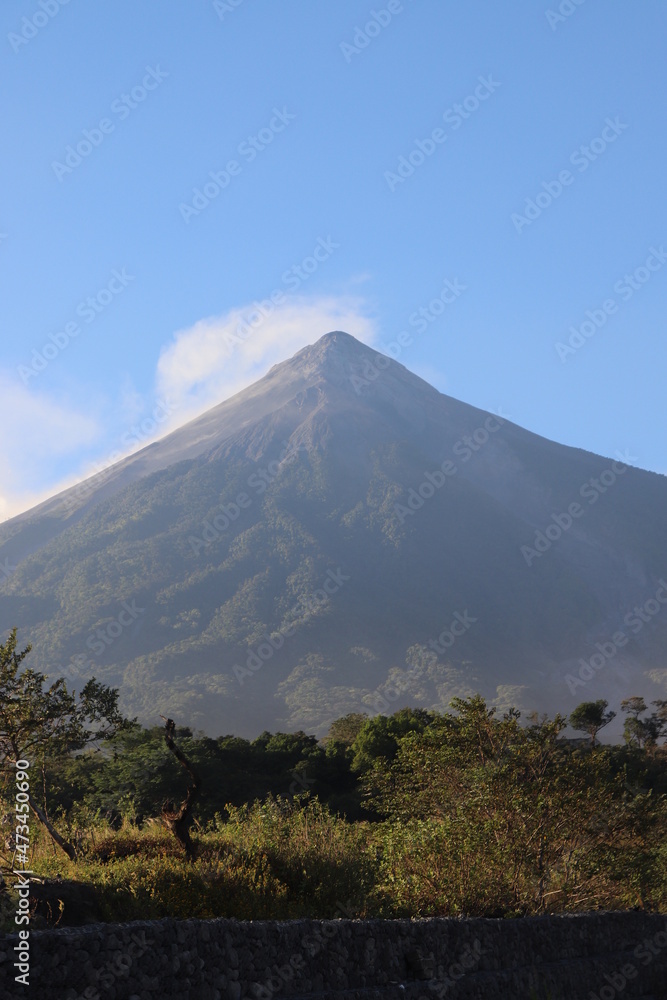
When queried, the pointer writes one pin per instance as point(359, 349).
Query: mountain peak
point(339, 360)
point(336, 346)
point(337, 338)
point(337, 357)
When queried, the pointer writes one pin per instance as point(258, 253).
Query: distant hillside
point(337, 526)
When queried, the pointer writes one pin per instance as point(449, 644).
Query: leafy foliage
point(35, 723)
point(590, 717)
point(464, 813)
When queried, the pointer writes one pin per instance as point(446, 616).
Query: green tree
point(485, 816)
point(590, 717)
point(657, 722)
point(380, 736)
point(346, 729)
point(636, 731)
point(39, 724)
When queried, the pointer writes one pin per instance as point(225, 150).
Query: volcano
point(342, 537)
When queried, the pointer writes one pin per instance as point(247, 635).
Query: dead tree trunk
point(179, 820)
point(68, 848)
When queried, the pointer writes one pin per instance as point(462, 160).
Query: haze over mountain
point(337, 528)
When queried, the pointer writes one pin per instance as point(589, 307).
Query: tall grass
point(281, 859)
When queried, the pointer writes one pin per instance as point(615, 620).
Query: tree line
point(540, 815)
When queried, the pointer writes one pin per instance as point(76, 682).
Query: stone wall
point(600, 955)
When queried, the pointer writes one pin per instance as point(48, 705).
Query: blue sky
point(531, 142)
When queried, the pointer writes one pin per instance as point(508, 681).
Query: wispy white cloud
point(36, 430)
point(47, 444)
point(219, 356)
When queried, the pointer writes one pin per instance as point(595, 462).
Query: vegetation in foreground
point(416, 814)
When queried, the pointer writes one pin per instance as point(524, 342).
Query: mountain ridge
point(425, 503)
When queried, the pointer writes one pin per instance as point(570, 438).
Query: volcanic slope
point(342, 537)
